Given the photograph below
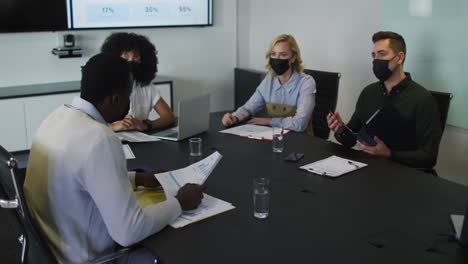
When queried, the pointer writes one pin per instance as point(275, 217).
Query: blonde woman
point(287, 94)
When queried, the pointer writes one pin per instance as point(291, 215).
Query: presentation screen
point(89, 14)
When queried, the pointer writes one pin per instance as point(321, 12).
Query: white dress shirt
point(78, 190)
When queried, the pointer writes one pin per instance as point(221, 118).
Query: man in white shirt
point(77, 186)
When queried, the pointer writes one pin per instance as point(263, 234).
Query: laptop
point(194, 118)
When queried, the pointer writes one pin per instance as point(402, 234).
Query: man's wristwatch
point(149, 124)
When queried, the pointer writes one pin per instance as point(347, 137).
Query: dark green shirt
point(418, 142)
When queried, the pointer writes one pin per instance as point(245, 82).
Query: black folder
point(386, 124)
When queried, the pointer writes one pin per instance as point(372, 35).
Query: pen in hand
point(344, 125)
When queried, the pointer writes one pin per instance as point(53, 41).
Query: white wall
point(452, 161)
point(197, 59)
point(333, 35)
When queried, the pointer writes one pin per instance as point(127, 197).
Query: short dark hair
point(105, 75)
point(397, 42)
point(120, 42)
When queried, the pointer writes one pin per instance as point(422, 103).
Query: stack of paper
point(135, 136)
point(333, 166)
point(254, 131)
point(196, 173)
point(210, 206)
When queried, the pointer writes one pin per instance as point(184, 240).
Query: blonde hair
point(297, 64)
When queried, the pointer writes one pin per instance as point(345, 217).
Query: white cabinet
point(21, 117)
point(13, 128)
point(37, 108)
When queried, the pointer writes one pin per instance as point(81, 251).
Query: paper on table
point(135, 136)
point(128, 152)
point(210, 206)
point(197, 173)
point(333, 166)
point(253, 131)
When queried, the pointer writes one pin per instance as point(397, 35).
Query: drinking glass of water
point(195, 145)
point(261, 197)
point(278, 142)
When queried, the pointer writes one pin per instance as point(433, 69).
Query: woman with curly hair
point(142, 54)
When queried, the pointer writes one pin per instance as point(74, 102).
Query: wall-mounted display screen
point(60, 15)
point(137, 13)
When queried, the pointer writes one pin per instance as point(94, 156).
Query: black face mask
point(280, 66)
point(381, 70)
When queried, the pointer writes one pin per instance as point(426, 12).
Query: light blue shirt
point(299, 91)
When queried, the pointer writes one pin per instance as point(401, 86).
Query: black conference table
point(384, 213)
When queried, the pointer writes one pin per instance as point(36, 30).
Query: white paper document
point(128, 152)
point(254, 131)
point(197, 173)
point(209, 206)
point(136, 136)
point(333, 166)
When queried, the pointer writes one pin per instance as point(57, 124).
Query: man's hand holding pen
point(335, 122)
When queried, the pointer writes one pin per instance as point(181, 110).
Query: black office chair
point(443, 101)
point(34, 247)
point(325, 99)
point(245, 83)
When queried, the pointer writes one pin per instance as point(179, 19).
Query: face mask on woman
point(279, 66)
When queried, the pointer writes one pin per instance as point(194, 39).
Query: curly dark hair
point(120, 42)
